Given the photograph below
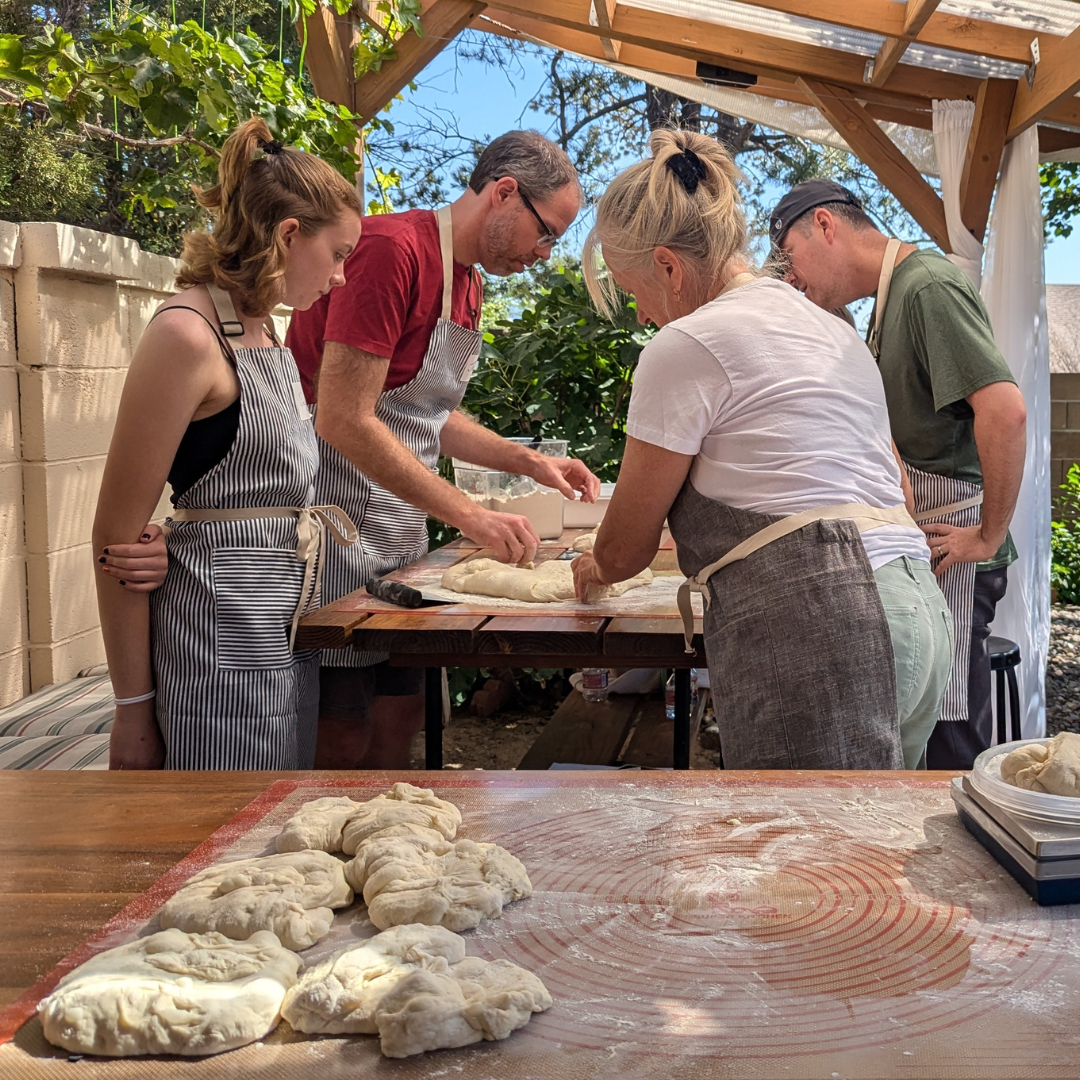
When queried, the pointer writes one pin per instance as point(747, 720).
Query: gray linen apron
point(392, 531)
point(799, 651)
point(940, 499)
point(244, 544)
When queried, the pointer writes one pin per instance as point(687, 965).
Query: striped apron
point(243, 545)
point(392, 531)
point(940, 500)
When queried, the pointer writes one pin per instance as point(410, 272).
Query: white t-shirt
point(782, 406)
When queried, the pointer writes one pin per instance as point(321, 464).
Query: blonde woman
point(754, 410)
point(204, 670)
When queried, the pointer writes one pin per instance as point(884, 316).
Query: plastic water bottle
point(594, 683)
point(669, 694)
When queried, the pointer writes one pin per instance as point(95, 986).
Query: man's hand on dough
point(138, 567)
point(510, 536)
point(586, 577)
point(568, 475)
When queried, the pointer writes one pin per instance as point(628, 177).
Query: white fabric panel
point(1015, 296)
point(952, 122)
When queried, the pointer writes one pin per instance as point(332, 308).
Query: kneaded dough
point(171, 993)
point(290, 894)
point(549, 583)
point(456, 888)
point(317, 825)
point(340, 996)
point(1052, 767)
point(584, 542)
point(473, 1000)
point(404, 809)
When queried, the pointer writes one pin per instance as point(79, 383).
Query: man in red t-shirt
point(386, 357)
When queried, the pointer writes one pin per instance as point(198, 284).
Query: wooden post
point(985, 144)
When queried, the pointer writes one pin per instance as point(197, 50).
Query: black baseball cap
point(802, 198)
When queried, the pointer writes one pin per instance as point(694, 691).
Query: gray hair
point(538, 165)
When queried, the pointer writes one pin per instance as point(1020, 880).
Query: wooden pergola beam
point(892, 50)
point(982, 159)
point(883, 156)
point(1057, 78)
point(605, 12)
point(441, 23)
point(329, 62)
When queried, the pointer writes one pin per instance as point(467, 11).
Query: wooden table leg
point(433, 718)
point(681, 742)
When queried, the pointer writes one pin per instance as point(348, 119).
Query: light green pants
point(922, 636)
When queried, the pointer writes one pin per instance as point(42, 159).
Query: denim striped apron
point(243, 546)
point(392, 531)
point(940, 500)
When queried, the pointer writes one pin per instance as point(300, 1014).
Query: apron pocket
point(255, 594)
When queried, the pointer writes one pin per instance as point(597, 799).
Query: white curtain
point(952, 122)
point(1015, 295)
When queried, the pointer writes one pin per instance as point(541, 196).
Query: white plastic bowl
point(582, 515)
point(986, 776)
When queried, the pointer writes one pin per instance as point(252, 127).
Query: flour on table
point(171, 993)
point(456, 886)
point(549, 583)
point(291, 894)
point(474, 999)
point(340, 996)
point(1052, 767)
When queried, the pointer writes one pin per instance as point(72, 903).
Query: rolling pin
point(393, 592)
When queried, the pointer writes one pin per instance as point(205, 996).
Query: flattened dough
point(340, 996)
point(404, 809)
point(317, 825)
point(1053, 767)
point(475, 999)
point(171, 993)
point(549, 583)
point(290, 894)
point(456, 888)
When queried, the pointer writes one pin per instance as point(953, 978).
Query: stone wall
point(1064, 426)
point(73, 303)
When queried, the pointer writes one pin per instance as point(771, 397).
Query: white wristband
point(135, 700)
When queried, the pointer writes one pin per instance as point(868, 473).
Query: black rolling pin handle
point(393, 592)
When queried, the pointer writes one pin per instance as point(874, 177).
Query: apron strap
point(888, 264)
point(312, 523)
point(231, 326)
point(865, 518)
point(446, 249)
point(949, 508)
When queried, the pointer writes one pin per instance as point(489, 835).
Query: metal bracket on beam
point(868, 71)
point(1029, 71)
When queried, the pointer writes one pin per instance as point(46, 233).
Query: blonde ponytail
point(685, 197)
point(260, 184)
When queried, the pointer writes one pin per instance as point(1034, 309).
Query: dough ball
point(473, 1000)
point(171, 993)
point(549, 583)
point(340, 996)
point(404, 809)
point(456, 889)
point(290, 894)
point(317, 825)
point(1052, 767)
point(392, 844)
point(584, 542)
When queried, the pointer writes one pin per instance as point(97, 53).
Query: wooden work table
point(688, 924)
point(618, 633)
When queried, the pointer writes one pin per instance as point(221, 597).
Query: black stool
point(1004, 660)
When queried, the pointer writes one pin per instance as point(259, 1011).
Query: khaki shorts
point(346, 693)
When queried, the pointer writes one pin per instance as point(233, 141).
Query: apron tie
point(865, 518)
point(312, 524)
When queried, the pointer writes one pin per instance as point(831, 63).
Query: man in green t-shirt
point(958, 420)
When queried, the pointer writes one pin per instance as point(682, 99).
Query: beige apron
point(940, 500)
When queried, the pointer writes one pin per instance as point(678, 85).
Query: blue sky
point(487, 102)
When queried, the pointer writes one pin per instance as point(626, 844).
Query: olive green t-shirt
point(936, 348)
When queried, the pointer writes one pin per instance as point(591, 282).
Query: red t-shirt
point(390, 302)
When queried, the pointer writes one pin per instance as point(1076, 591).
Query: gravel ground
point(1063, 670)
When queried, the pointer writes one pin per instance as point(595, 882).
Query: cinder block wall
point(1064, 427)
point(75, 302)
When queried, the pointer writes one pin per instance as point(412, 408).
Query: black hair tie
point(689, 168)
point(270, 147)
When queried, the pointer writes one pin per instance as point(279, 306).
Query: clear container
point(669, 694)
point(986, 776)
point(594, 683)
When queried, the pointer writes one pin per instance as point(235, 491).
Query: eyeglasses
point(548, 236)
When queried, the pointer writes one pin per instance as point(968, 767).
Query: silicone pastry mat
point(794, 926)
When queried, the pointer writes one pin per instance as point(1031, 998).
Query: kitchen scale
point(1033, 835)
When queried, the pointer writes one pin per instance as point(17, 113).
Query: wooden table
point(475, 634)
point(688, 924)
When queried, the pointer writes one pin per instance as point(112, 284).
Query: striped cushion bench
point(65, 726)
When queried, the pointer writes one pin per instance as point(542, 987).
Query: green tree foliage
point(1061, 197)
point(1065, 540)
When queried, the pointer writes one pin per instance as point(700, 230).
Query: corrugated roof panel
point(1039, 16)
